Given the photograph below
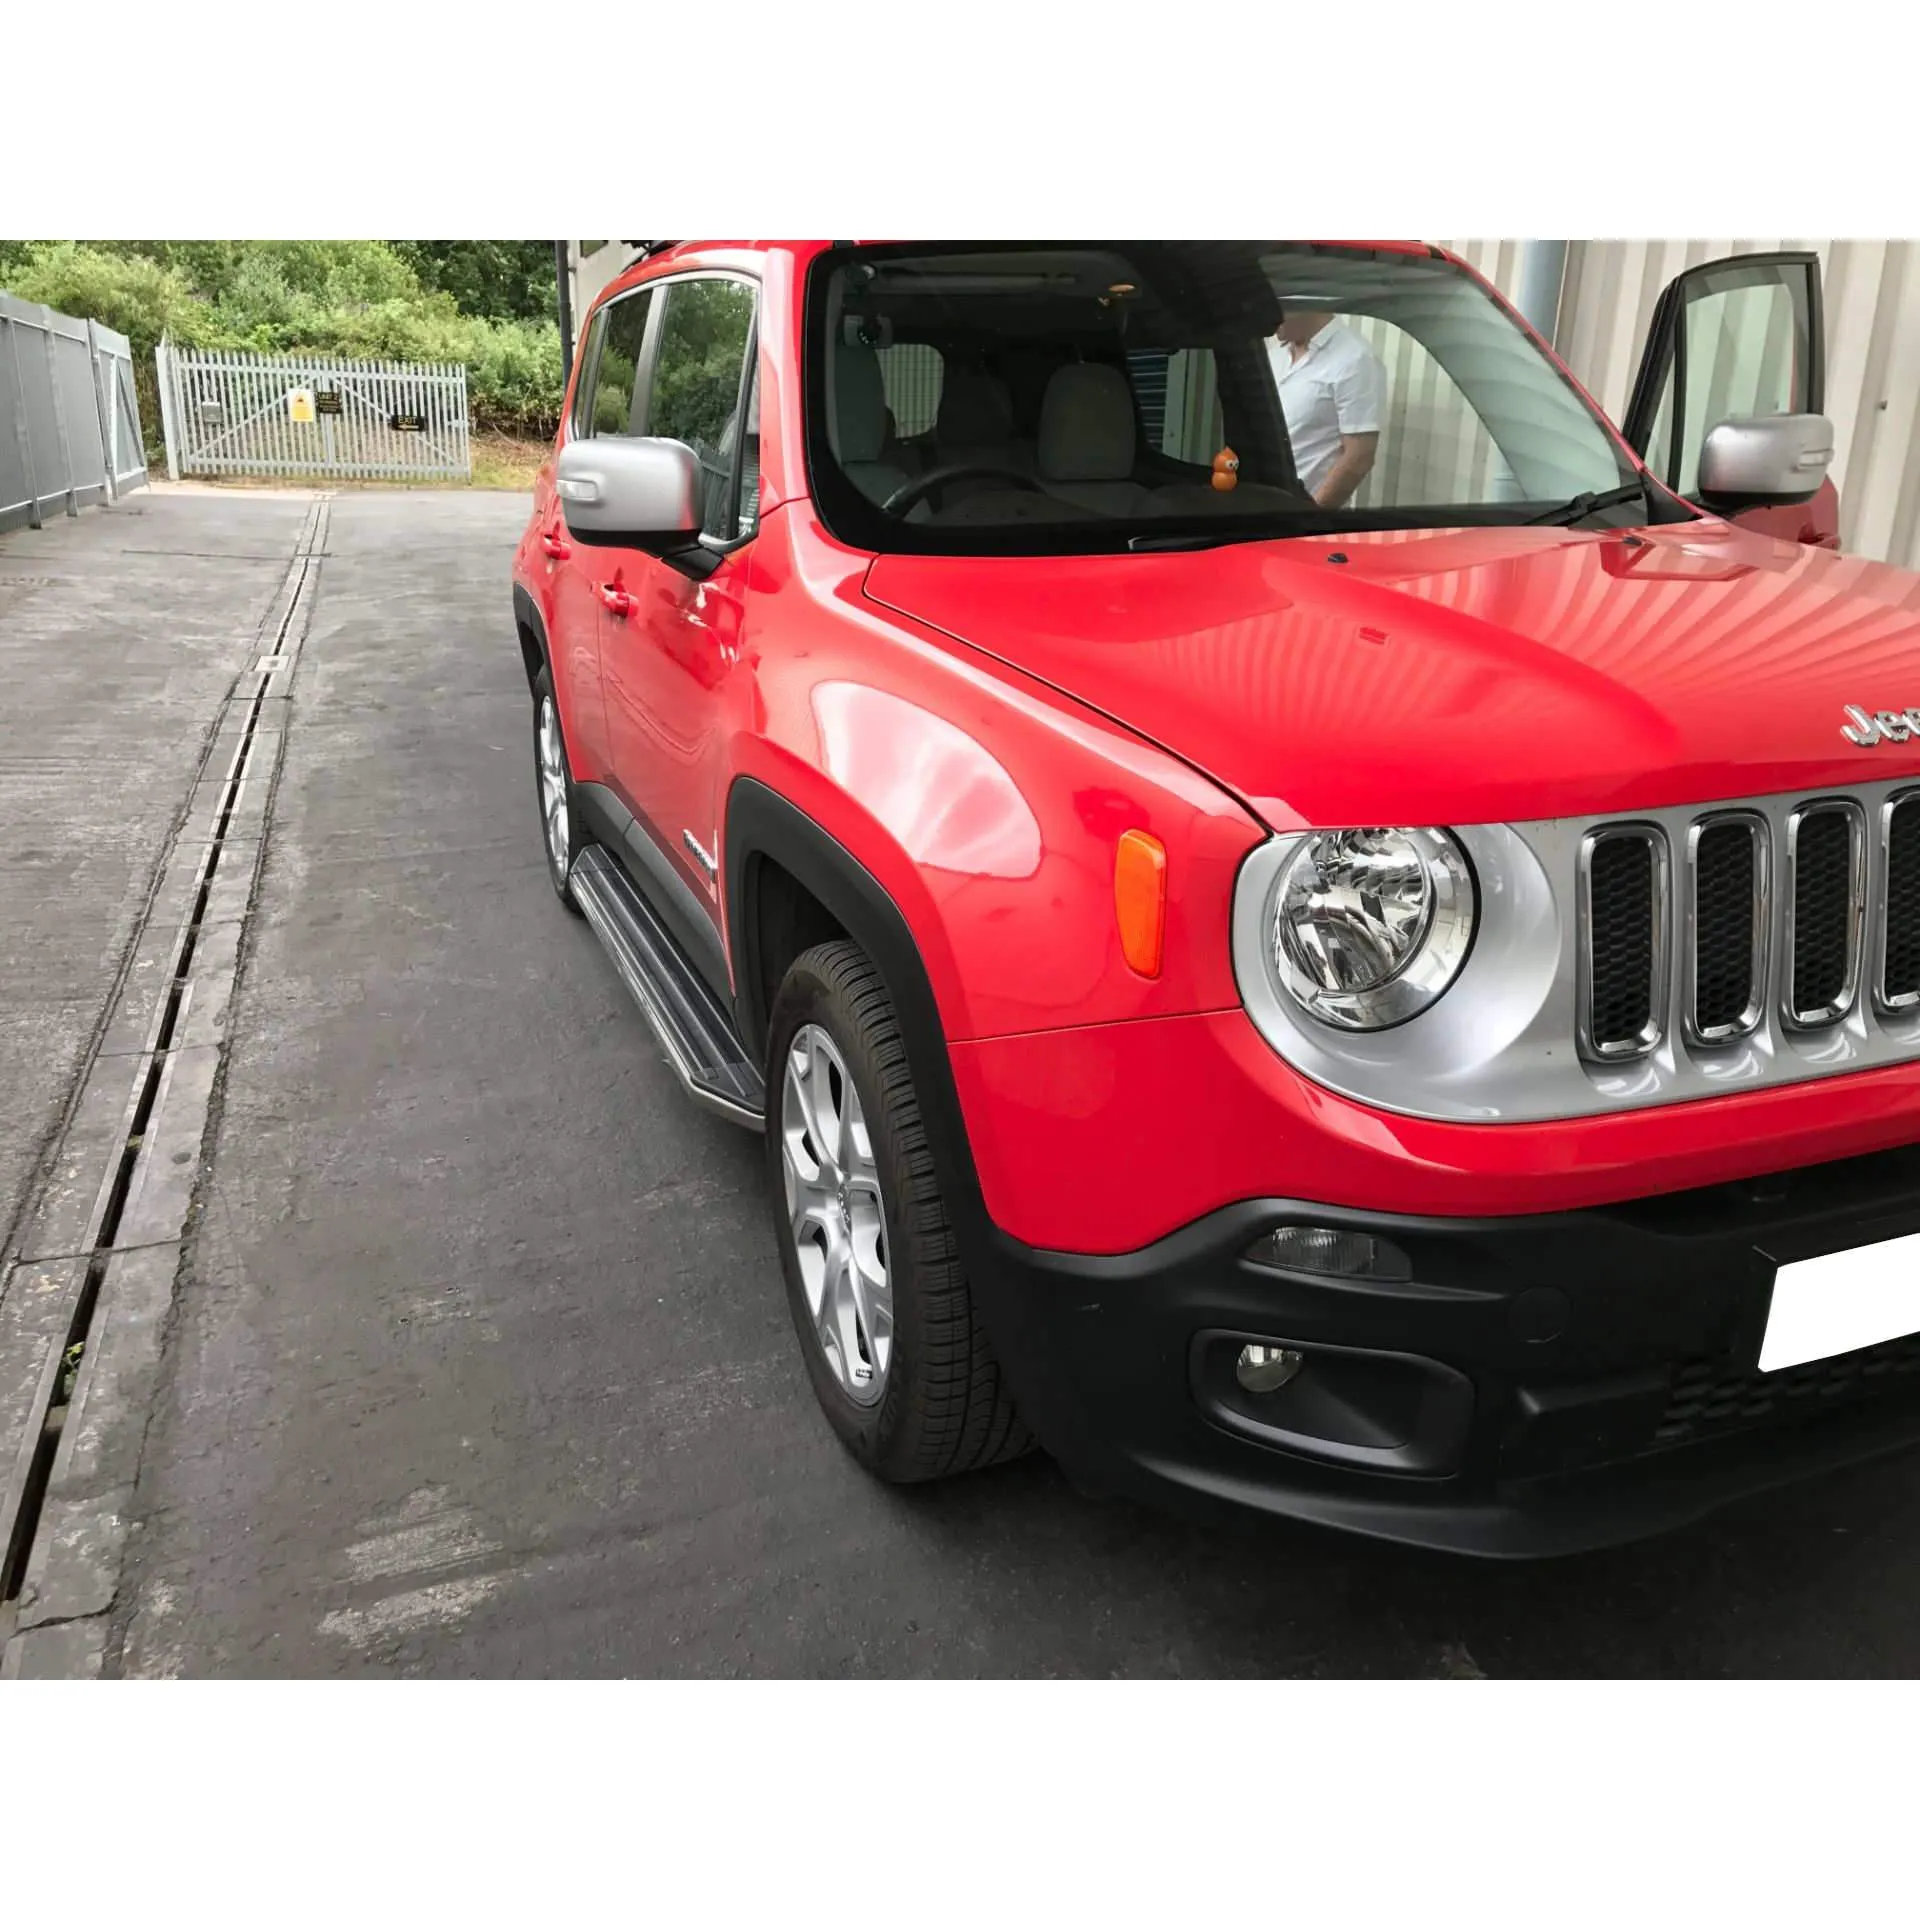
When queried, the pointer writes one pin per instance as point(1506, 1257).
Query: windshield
point(1063, 397)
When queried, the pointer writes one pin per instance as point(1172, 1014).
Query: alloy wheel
point(553, 786)
point(836, 1214)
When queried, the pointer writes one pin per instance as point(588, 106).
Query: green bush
point(359, 299)
point(131, 294)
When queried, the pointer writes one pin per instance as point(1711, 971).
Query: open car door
point(1726, 405)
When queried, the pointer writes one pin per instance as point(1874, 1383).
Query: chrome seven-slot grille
point(1837, 867)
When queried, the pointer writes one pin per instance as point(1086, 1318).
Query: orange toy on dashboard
point(1226, 470)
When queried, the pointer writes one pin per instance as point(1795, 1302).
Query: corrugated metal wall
point(69, 421)
point(1872, 290)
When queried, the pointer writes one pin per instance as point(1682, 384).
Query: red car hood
point(1461, 676)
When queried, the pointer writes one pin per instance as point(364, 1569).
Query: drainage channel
point(275, 657)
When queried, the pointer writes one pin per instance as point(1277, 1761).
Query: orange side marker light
point(1140, 900)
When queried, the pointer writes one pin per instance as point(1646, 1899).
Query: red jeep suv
point(1307, 922)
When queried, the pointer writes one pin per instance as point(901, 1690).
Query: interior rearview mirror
point(616, 491)
point(1770, 461)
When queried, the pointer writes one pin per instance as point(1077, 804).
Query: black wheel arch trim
point(526, 619)
point(760, 823)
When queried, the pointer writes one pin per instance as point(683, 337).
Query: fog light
point(1267, 1369)
point(1333, 1251)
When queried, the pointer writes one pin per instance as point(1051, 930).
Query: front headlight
point(1371, 924)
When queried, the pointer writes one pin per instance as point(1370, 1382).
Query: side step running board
point(694, 1028)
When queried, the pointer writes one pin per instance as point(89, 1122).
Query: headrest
point(857, 409)
point(1086, 424)
point(974, 409)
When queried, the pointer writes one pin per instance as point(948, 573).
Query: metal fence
point(69, 422)
point(236, 413)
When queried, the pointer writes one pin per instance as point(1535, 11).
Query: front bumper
point(1541, 1384)
point(1101, 1139)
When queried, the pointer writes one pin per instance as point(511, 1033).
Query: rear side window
point(582, 412)
point(698, 392)
point(1177, 397)
point(603, 400)
point(913, 374)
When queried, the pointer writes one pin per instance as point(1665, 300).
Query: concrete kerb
point(74, 1570)
point(160, 951)
point(75, 1650)
point(155, 1067)
point(241, 803)
point(35, 1313)
point(71, 1207)
point(68, 1211)
point(200, 1013)
point(180, 882)
point(160, 1196)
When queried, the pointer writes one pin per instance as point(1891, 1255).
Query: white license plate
point(1842, 1301)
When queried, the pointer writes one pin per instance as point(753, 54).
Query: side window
point(603, 399)
point(913, 374)
point(583, 382)
point(1177, 396)
point(1434, 447)
point(697, 390)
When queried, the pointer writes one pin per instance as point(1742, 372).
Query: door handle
point(554, 547)
point(616, 599)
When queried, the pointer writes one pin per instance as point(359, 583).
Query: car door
point(603, 403)
point(670, 628)
point(1738, 337)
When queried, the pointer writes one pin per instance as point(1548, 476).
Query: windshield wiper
point(1583, 504)
point(1230, 537)
point(1187, 542)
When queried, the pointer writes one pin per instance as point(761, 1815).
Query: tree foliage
point(362, 299)
point(696, 384)
point(492, 279)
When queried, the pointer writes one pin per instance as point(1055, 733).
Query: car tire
point(932, 1402)
point(560, 831)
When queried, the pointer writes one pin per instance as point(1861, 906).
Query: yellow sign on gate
point(300, 406)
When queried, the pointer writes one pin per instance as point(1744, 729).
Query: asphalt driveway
point(477, 1360)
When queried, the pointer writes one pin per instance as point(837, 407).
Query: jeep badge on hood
point(1869, 729)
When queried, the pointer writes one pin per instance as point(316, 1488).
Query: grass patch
point(504, 463)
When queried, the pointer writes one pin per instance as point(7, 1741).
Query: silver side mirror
point(622, 492)
point(1777, 459)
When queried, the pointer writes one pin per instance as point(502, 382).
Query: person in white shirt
point(1333, 391)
